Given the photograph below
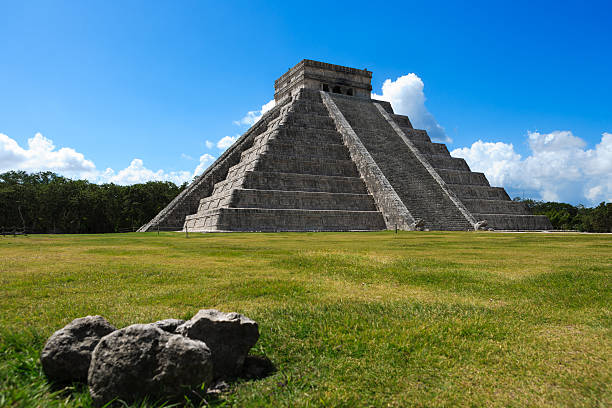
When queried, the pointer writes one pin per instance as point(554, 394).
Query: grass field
point(349, 319)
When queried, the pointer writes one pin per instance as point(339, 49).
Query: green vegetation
point(48, 203)
point(568, 217)
point(349, 319)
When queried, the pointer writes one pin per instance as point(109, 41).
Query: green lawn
point(349, 319)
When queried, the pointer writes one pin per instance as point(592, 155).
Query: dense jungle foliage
point(48, 203)
point(568, 217)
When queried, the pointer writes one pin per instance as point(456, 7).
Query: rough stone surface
point(480, 225)
point(329, 158)
point(66, 355)
point(143, 360)
point(168, 325)
point(322, 76)
point(230, 336)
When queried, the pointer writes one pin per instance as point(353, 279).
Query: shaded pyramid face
point(329, 158)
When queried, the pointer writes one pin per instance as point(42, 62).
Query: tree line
point(569, 217)
point(49, 203)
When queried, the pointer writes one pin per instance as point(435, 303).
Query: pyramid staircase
point(296, 176)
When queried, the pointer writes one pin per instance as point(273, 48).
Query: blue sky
point(114, 81)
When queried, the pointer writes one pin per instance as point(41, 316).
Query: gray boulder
point(229, 336)
point(142, 360)
point(168, 325)
point(66, 355)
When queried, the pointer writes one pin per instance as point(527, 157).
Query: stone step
point(495, 206)
point(486, 192)
point(299, 119)
point(272, 220)
point(298, 149)
point(293, 182)
point(323, 167)
point(218, 200)
point(515, 222)
point(306, 200)
point(228, 184)
point(402, 121)
point(430, 148)
point(290, 133)
point(447, 162)
point(416, 135)
point(463, 177)
point(240, 169)
point(310, 107)
point(304, 182)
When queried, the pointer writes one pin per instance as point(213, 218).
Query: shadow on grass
point(255, 368)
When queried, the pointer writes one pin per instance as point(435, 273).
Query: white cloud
point(227, 141)
point(253, 116)
point(209, 144)
point(42, 155)
point(186, 156)
point(407, 98)
point(205, 161)
point(558, 168)
point(268, 106)
point(136, 172)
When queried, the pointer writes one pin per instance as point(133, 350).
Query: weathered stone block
point(67, 354)
point(143, 360)
point(229, 336)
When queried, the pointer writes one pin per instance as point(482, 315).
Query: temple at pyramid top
point(322, 76)
point(328, 157)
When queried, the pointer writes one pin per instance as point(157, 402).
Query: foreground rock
point(67, 354)
point(143, 360)
point(230, 336)
point(168, 325)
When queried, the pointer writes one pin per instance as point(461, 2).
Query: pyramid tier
point(516, 222)
point(402, 120)
point(307, 120)
point(264, 180)
point(448, 162)
point(416, 135)
point(483, 206)
point(307, 200)
point(463, 177)
point(272, 220)
point(466, 191)
point(308, 106)
point(314, 166)
point(286, 148)
point(308, 135)
point(430, 148)
point(304, 182)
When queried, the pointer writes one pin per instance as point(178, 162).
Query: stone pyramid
point(327, 157)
